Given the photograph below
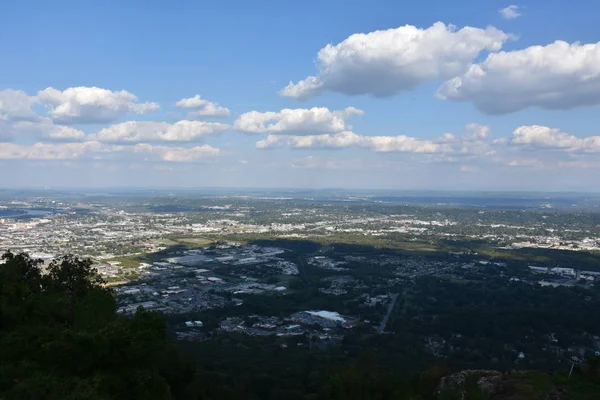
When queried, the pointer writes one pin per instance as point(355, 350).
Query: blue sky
point(435, 95)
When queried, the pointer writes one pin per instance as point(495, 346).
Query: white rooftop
point(333, 316)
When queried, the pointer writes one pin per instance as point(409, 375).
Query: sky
point(428, 95)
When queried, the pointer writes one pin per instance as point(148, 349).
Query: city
point(221, 265)
point(299, 200)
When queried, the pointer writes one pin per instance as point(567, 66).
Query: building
point(539, 270)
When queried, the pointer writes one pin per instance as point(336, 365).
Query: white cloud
point(526, 163)
point(350, 139)
point(510, 12)
point(202, 107)
point(557, 76)
point(65, 133)
point(179, 154)
point(15, 105)
point(190, 154)
point(49, 151)
point(97, 151)
point(273, 141)
point(90, 104)
point(405, 144)
point(543, 137)
point(338, 140)
point(384, 63)
point(137, 131)
point(45, 128)
point(473, 143)
point(59, 132)
point(296, 121)
point(478, 131)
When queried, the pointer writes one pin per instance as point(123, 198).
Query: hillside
point(61, 338)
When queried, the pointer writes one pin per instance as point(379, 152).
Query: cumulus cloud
point(137, 131)
point(478, 131)
point(96, 150)
point(64, 133)
point(83, 105)
point(203, 108)
point(510, 12)
point(350, 139)
point(179, 154)
point(49, 151)
point(526, 163)
point(557, 76)
point(384, 63)
point(15, 105)
point(472, 143)
point(543, 137)
point(405, 144)
point(45, 128)
point(296, 121)
point(338, 140)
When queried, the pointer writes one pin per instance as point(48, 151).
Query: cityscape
point(205, 262)
point(299, 200)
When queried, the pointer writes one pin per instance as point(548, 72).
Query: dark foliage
point(61, 338)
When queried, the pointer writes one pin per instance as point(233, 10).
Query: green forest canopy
point(61, 338)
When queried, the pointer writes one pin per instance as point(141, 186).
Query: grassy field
point(129, 261)
point(187, 241)
point(431, 246)
point(164, 242)
point(194, 241)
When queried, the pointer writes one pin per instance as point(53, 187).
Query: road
point(387, 314)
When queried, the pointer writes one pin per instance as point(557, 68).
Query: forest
point(60, 338)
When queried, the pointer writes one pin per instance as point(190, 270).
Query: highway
point(387, 314)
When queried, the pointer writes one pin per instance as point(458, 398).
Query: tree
point(61, 338)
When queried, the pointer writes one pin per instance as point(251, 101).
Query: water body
point(23, 212)
point(29, 213)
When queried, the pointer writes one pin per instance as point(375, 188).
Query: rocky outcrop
point(510, 385)
point(486, 380)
